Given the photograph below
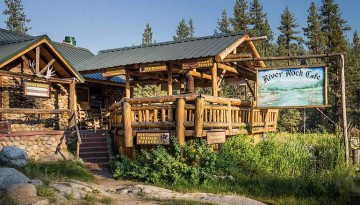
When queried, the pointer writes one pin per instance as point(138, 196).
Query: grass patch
point(59, 170)
point(281, 169)
point(45, 191)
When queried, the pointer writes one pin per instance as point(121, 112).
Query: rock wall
point(36, 146)
point(13, 97)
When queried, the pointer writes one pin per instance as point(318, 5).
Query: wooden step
point(93, 149)
point(96, 139)
point(93, 144)
point(94, 154)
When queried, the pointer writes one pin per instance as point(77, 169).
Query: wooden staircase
point(96, 146)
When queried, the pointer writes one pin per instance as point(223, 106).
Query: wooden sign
point(355, 142)
point(198, 63)
point(147, 138)
point(215, 137)
point(153, 68)
point(114, 72)
point(292, 87)
point(5, 127)
point(36, 89)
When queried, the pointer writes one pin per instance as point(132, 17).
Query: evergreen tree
point(223, 24)
point(182, 31)
point(353, 80)
point(288, 34)
point(260, 26)
point(240, 21)
point(147, 35)
point(192, 28)
point(16, 20)
point(333, 27)
point(313, 31)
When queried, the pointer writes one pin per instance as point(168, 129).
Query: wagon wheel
point(31, 118)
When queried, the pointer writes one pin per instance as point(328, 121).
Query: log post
point(199, 116)
point(180, 127)
point(128, 137)
point(37, 59)
point(228, 118)
point(170, 82)
point(72, 97)
point(214, 80)
point(127, 84)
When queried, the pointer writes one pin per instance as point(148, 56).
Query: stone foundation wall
point(36, 146)
point(13, 97)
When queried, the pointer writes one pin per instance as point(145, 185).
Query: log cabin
point(38, 87)
point(183, 66)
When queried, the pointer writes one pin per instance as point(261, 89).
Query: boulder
point(13, 156)
point(25, 194)
point(10, 176)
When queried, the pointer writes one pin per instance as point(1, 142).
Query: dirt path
point(129, 192)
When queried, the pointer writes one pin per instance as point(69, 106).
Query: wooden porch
point(188, 115)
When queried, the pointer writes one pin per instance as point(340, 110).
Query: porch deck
point(189, 115)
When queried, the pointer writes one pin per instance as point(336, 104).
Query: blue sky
point(105, 24)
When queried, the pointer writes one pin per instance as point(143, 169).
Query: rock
point(36, 182)
point(25, 194)
point(10, 176)
point(14, 156)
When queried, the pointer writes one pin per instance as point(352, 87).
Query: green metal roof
point(73, 54)
point(12, 43)
point(208, 46)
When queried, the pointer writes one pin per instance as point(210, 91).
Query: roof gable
point(13, 45)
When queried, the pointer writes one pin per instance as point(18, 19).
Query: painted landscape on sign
point(291, 87)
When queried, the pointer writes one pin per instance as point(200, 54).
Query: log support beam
point(170, 81)
point(127, 84)
point(180, 120)
point(199, 116)
point(214, 80)
point(128, 132)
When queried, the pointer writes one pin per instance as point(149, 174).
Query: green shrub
point(192, 163)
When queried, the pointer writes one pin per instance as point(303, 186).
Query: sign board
point(146, 138)
point(37, 89)
point(153, 67)
point(114, 72)
point(355, 142)
point(5, 127)
point(198, 63)
point(292, 87)
point(215, 137)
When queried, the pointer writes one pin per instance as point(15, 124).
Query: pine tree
point(223, 24)
point(353, 80)
point(182, 31)
point(333, 27)
point(313, 31)
point(288, 36)
point(260, 26)
point(16, 20)
point(147, 35)
point(191, 28)
point(240, 21)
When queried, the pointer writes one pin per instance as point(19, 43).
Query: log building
point(38, 82)
point(183, 65)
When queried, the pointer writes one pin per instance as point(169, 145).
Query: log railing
point(188, 115)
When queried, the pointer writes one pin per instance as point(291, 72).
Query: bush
point(192, 163)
